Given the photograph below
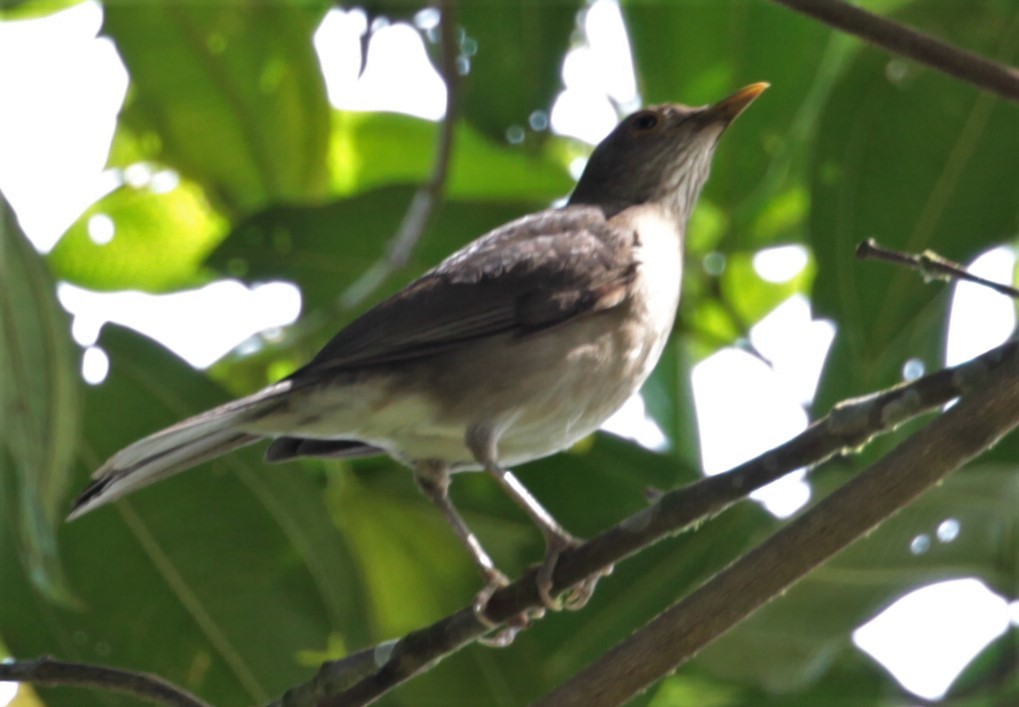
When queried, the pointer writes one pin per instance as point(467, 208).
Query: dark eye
point(645, 121)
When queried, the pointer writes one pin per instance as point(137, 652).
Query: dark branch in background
point(49, 672)
point(850, 425)
point(908, 42)
point(979, 420)
point(428, 197)
point(930, 265)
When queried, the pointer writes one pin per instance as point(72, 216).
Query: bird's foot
point(506, 632)
point(576, 597)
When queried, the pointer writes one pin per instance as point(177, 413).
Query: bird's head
point(660, 154)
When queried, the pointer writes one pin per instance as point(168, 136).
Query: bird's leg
point(432, 478)
point(482, 443)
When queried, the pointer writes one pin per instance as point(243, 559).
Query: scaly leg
point(432, 478)
point(482, 443)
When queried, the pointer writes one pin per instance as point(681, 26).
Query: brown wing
point(528, 275)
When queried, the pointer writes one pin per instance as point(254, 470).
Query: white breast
point(659, 278)
point(623, 348)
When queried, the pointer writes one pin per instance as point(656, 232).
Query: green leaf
point(39, 406)
point(159, 240)
point(520, 47)
point(231, 95)
point(401, 541)
point(217, 579)
point(850, 681)
point(31, 9)
point(916, 160)
point(749, 295)
point(688, 689)
point(991, 678)
point(370, 150)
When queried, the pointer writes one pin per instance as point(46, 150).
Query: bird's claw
point(505, 632)
point(495, 580)
point(574, 598)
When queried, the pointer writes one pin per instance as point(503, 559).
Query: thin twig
point(850, 425)
point(50, 672)
point(921, 461)
point(430, 195)
point(931, 265)
point(899, 39)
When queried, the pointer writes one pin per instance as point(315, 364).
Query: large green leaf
point(219, 579)
point(520, 47)
point(916, 160)
point(39, 406)
point(157, 240)
point(230, 94)
point(369, 150)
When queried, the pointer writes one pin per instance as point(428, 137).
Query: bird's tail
point(178, 448)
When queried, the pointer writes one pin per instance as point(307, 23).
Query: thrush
point(514, 348)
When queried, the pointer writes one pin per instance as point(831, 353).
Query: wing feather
point(528, 275)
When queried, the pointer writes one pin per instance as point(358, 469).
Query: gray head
point(660, 154)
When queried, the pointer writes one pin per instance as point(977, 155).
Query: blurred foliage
point(39, 404)
point(236, 579)
point(245, 86)
point(27, 9)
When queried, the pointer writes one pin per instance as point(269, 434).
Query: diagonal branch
point(979, 420)
point(49, 672)
point(850, 425)
point(908, 42)
point(427, 198)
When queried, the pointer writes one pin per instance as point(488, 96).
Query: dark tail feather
point(287, 448)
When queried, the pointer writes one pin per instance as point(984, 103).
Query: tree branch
point(427, 198)
point(49, 672)
point(850, 425)
point(908, 42)
point(930, 265)
point(979, 420)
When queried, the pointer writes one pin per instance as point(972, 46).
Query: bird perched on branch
point(512, 349)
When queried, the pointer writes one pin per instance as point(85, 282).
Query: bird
point(514, 348)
